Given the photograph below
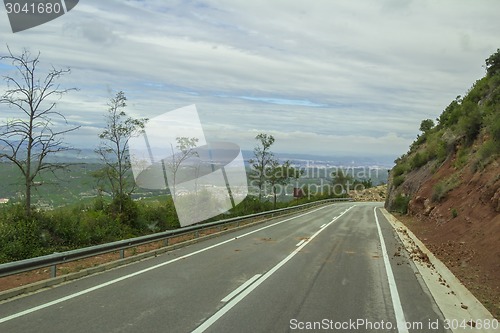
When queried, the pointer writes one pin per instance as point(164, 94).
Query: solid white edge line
point(241, 288)
point(396, 301)
point(300, 243)
point(216, 316)
point(86, 291)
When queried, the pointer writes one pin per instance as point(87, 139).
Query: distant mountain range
point(87, 155)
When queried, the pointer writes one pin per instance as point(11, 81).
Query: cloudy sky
point(324, 77)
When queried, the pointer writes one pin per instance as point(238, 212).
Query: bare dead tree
point(35, 132)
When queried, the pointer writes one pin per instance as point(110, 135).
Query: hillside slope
point(448, 186)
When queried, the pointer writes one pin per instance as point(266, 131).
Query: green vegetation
point(419, 159)
point(493, 64)
point(76, 226)
point(426, 125)
point(442, 188)
point(399, 169)
point(401, 204)
point(97, 222)
point(31, 137)
point(113, 152)
point(56, 206)
point(398, 180)
point(70, 212)
point(462, 157)
point(467, 130)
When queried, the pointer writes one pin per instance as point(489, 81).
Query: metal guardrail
point(52, 260)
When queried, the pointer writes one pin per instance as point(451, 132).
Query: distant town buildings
point(4, 201)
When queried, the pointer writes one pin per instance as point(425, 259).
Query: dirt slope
point(462, 229)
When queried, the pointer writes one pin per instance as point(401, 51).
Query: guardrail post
point(53, 271)
point(165, 242)
point(122, 253)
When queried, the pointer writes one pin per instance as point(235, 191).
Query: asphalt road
point(325, 270)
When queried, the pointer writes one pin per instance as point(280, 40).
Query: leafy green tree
point(451, 114)
point(342, 181)
point(470, 121)
point(280, 175)
point(367, 183)
point(33, 135)
point(426, 125)
point(113, 150)
point(262, 162)
point(493, 63)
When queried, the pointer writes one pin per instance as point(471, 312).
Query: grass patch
point(399, 169)
point(398, 180)
point(487, 153)
point(461, 158)
point(441, 189)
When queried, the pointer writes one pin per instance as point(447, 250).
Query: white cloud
point(366, 72)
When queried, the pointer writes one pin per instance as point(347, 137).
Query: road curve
point(336, 268)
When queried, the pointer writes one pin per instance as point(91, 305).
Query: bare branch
point(32, 136)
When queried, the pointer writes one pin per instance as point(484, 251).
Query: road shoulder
point(463, 312)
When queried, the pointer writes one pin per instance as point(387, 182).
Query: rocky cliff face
point(447, 186)
point(462, 228)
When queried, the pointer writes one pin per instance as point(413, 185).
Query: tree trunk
point(274, 192)
point(28, 177)
point(28, 196)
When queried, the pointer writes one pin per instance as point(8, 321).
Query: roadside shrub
point(486, 153)
point(64, 227)
point(159, 216)
point(419, 160)
point(461, 158)
point(454, 213)
point(96, 228)
point(438, 192)
point(493, 122)
point(398, 180)
point(251, 205)
point(20, 236)
point(125, 210)
point(470, 123)
point(400, 204)
point(399, 169)
point(437, 150)
point(441, 189)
